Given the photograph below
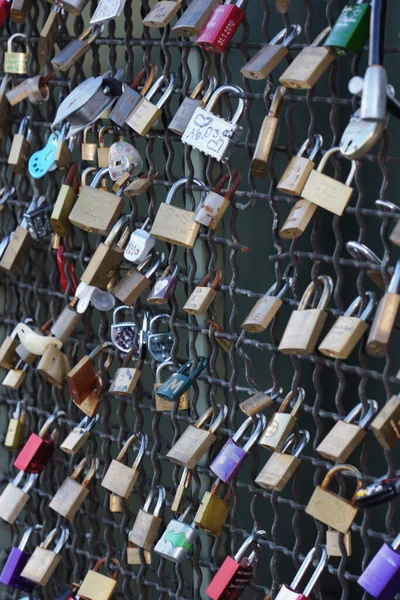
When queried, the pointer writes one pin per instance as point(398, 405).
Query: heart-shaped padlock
point(42, 161)
point(123, 158)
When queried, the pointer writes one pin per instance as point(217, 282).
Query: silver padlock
point(107, 10)
point(176, 543)
point(123, 332)
point(140, 244)
point(160, 344)
point(360, 136)
point(38, 220)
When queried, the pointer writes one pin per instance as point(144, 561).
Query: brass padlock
point(54, 366)
point(167, 405)
point(348, 330)
point(259, 401)
point(78, 436)
point(181, 491)
point(146, 526)
point(202, 296)
point(298, 219)
point(96, 586)
point(20, 148)
point(16, 62)
point(119, 478)
point(195, 17)
point(281, 467)
point(386, 425)
point(65, 201)
point(71, 494)
point(362, 253)
point(8, 356)
point(108, 256)
point(333, 544)
point(134, 283)
point(266, 307)
point(15, 430)
point(16, 376)
point(215, 331)
point(118, 504)
point(67, 321)
point(126, 378)
point(88, 149)
point(13, 498)
point(5, 109)
point(140, 185)
point(331, 509)
point(162, 14)
point(76, 48)
point(43, 562)
point(345, 435)
point(63, 155)
point(146, 114)
point(281, 424)
point(186, 110)
point(103, 150)
point(130, 95)
point(309, 65)
point(19, 10)
point(385, 317)
point(266, 141)
point(16, 252)
point(305, 324)
point(195, 440)
point(176, 225)
point(134, 554)
point(213, 207)
point(298, 170)
point(213, 510)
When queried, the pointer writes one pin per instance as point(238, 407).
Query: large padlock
point(381, 578)
point(386, 425)
point(130, 97)
point(16, 561)
point(96, 586)
point(161, 403)
point(162, 13)
point(8, 356)
point(213, 510)
point(231, 457)
point(330, 508)
point(164, 287)
point(194, 18)
point(76, 48)
point(119, 478)
point(211, 134)
point(297, 172)
point(221, 26)
point(54, 366)
point(196, 440)
point(159, 343)
point(13, 498)
point(16, 62)
point(146, 114)
point(282, 423)
point(103, 151)
point(43, 562)
point(180, 382)
point(189, 105)
point(305, 324)
point(211, 210)
point(346, 435)
point(385, 317)
point(266, 307)
point(39, 448)
point(146, 526)
point(202, 296)
point(79, 435)
point(260, 400)
point(267, 138)
point(292, 592)
point(123, 332)
point(15, 430)
point(176, 543)
point(71, 494)
point(126, 378)
point(135, 282)
point(140, 244)
point(350, 32)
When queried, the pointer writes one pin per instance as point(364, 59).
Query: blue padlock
point(43, 161)
point(181, 381)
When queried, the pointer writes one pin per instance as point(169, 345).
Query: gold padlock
point(140, 185)
point(134, 282)
point(78, 436)
point(181, 490)
point(103, 150)
point(71, 494)
point(298, 219)
point(126, 378)
point(146, 114)
point(270, 55)
point(213, 510)
point(215, 331)
point(96, 586)
point(266, 308)
point(263, 153)
point(43, 562)
point(195, 17)
point(386, 425)
point(67, 321)
point(119, 478)
point(13, 498)
point(8, 356)
point(281, 424)
point(54, 366)
point(163, 404)
point(16, 62)
point(259, 401)
point(15, 377)
point(20, 148)
point(146, 526)
point(15, 430)
point(88, 149)
point(333, 544)
point(202, 296)
point(65, 201)
point(133, 555)
point(162, 14)
point(385, 317)
point(299, 168)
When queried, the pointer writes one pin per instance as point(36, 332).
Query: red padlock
point(38, 450)
point(5, 6)
point(291, 593)
point(220, 28)
point(235, 572)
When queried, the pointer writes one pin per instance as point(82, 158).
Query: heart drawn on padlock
point(42, 161)
point(215, 145)
point(202, 121)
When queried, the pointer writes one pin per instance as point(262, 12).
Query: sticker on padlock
point(160, 344)
point(123, 332)
point(16, 561)
point(140, 244)
point(176, 543)
point(211, 210)
point(292, 592)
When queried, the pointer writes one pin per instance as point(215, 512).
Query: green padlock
point(351, 31)
point(181, 381)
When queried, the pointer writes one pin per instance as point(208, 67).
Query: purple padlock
point(11, 574)
point(381, 579)
point(164, 287)
point(231, 457)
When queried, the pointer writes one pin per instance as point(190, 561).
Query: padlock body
point(277, 431)
point(194, 17)
point(145, 530)
point(69, 498)
point(395, 235)
point(191, 446)
point(256, 403)
point(131, 287)
point(66, 323)
point(381, 579)
point(162, 13)
point(263, 153)
point(351, 30)
point(307, 68)
point(120, 479)
point(331, 509)
point(19, 154)
point(41, 566)
point(175, 225)
point(125, 381)
point(102, 266)
point(8, 357)
point(82, 380)
point(133, 556)
point(277, 471)
point(297, 220)
point(264, 62)
point(54, 366)
point(16, 62)
point(102, 156)
point(341, 441)
point(12, 501)
point(124, 106)
point(386, 425)
point(14, 379)
point(261, 314)
point(15, 435)
point(138, 186)
point(162, 290)
point(383, 324)
point(143, 117)
point(88, 152)
point(35, 455)
point(199, 300)
point(63, 156)
point(212, 513)
point(286, 593)
point(59, 217)
point(95, 586)
point(174, 387)
point(96, 211)
point(4, 11)
point(176, 543)
point(333, 546)
point(228, 461)
point(295, 176)
point(211, 210)
point(231, 579)
point(75, 440)
point(70, 54)
point(302, 331)
point(328, 193)
point(183, 115)
point(11, 573)
point(5, 114)
point(343, 337)
point(219, 30)
point(162, 404)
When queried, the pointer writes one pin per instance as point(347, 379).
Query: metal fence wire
point(252, 257)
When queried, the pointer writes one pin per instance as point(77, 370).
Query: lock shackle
point(222, 412)
point(327, 289)
point(85, 173)
point(396, 542)
point(356, 305)
point(29, 482)
point(319, 140)
point(159, 259)
point(156, 318)
point(166, 363)
point(258, 427)
point(273, 394)
point(101, 562)
point(237, 178)
point(27, 535)
point(294, 443)
point(129, 443)
point(168, 92)
point(62, 540)
point(93, 466)
point(321, 37)
point(112, 130)
point(101, 173)
point(315, 576)
point(272, 290)
point(338, 469)
point(14, 37)
point(85, 424)
point(249, 541)
point(212, 86)
point(116, 229)
point(182, 183)
point(149, 80)
point(91, 33)
point(186, 513)
point(119, 309)
point(223, 89)
point(300, 395)
point(215, 282)
point(155, 88)
point(161, 496)
point(100, 348)
point(168, 271)
point(327, 156)
point(386, 205)
point(358, 409)
point(185, 369)
point(276, 105)
point(48, 423)
point(18, 410)
point(286, 37)
point(394, 285)
point(362, 253)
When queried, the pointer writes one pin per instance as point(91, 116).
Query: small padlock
point(15, 430)
point(8, 356)
point(16, 62)
point(186, 109)
point(64, 150)
point(291, 592)
point(221, 26)
point(176, 543)
point(202, 296)
point(298, 170)
point(88, 149)
point(39, 448)
point(348, 330)
point(181, 491)
point(330, 508)
point(231, 457)
point(20, 148)
point(257, 402)
point(126, 378)
point(134, 282)
point(38, 220)
point(213, 510)
point(123, 332)
point(195, 440)
point(266, 308)
point(65, 201)
point(140, 244)
point(167, 405)
point(103, 150)
point(281, 424)
point(267, 138)
point(305, 324)
point(71, 494)
point(79, 435)
point(159, 343)
point(194, 18)
point(269, 56)
point(124, 162)
point(345, 435)
point(96, 586)
point(215, 331)
point(54, 366)
point(309, 65)
point(15, 377)
point(386, 425)
point(381, 578)
point(130, 97)
point(385, 317)
point(146, 114)
point(134, 555)
point(43, 562)
point(180, 382)
point(119, 478)
point(334, 540)
point(13, 498)
point(298, 219)
point(162, 13)
point(211, 210)
point(76, 48)
point(350, 32)
point(164, 288)
point(280, 467)
point(146, 526)
point(140, 185)
point(16, 561)
point(67, 321)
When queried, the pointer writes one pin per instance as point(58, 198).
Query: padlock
point(34, 341)
point(211, 210)
point(146, 114)
point(48, 36)
point(291, 592)
point(159, 343)
point(96, 586)
point(180, 382)
point(71, 494)
point(43, 562)
point(269, 56)
point(67, 321)
point(123, 332)
point(126, 378)
point(214, 333)
point(5, 7)
point(361, 253)
point(385, 317)
point(16, 561)
point(162, 13)
point(88, 149)
point(96, 210)
point(221, 26)
point(38, 220)
point(140, 244)
point(119, 478)
point(108, 256)
point(236, 572)
point(231, 457)
point(134, 555)
point(20, 148)
point(76, 48)
point(146, 526)
point(5, 108)
point(15, 377)
point(298, 170)
point(281, 424)
point(74, 7)
point(386, 425)
point(124, 162)
point(13, 498)
point(186, 109)
point(345, 435)
point(176, 543)
point(134, 282)
point(33, 88)
point(213, 510)
point(330, 508)
point(280, 467)
point(140, 185)
point(80, 434)
point(194, 18)
point(298, 219)
point(348, 330)
point(267, 138)
point(15, 430)
point(379, 492)
point(176, 225)
point(211, 134)
point(167, 405)
point(257, 402)
point(381, 578)
point(103, 150)
point(54, 366)
point(305, 324)
point(65, 201)
point(164, 288)
point(196, 440)
point(266, 308)
point(16, 62)
point(64, 150)
point(350, 32)
point(309, 65)
point(202, 296)
point(334, 539)
point(8, 356)
point(130, 97)
point(181, 491)
point(39, 448)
